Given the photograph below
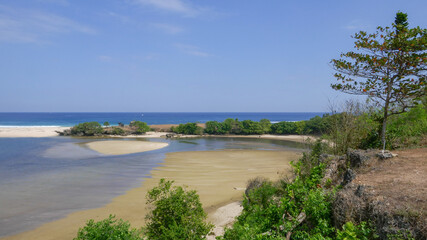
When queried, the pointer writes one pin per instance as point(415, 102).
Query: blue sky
point(180, 55)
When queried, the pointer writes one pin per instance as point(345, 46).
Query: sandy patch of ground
point(224, 217)
point(14, 132)
point(124, 147)
point(400, 181)
point(219, 177)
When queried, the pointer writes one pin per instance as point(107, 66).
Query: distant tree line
point(317, 126)
point(95, 129)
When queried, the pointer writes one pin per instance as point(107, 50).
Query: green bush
point(108, 228)
point(188, 128)
point(140, 127)
point(177, 214)
point(284, 128)
point(317, 125)
point(251, 127)
point(87, 129)
point(214, 127)
point(349, 231)
point(117, 131)
point(232, 126)
point(407, 129)
point(265, 125)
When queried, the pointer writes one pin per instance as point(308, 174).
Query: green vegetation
point(188, 128)
point(389, 67)
point(106, 124)
point(117, 131)
point(108, 228)
point(317, 126)
point(139, 127)
point(177, 214)
point(251, 127)
point(298, 209)
point(87, 129)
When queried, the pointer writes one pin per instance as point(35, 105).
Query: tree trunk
point(384, 127)
point(386, 105)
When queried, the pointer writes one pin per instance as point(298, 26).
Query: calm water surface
point(43, 179)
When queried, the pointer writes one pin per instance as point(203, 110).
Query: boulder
point(357, 158)
point(385, 155)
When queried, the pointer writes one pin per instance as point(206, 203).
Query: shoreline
point(50, 131)
point(219, 177)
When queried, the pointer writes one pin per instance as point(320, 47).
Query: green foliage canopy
point(87, 129)
point(140, 127)
point(177, 214)
point(188, 128)
point(108, 228)
point(389, 67)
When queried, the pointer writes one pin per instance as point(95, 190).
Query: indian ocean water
point(72, 118)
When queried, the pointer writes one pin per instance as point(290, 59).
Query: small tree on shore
point(176, 214)
point(389, 67)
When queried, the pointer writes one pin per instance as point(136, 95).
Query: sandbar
point(220, 178)
point(118, 147)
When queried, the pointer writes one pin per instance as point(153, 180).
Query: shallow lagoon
point(42, 179)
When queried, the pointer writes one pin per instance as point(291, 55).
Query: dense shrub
point(232, 126)
point(87, 129)
point(358, 126)
point(188, 128)
point(139, 127)
point(317, 125)
point(251, 127)
point(108, 228)
point(407, 129)
point(297, 209)
point(177, 214)
point(117, 131)
point(284, 128)
point(214, 127)
point(363, 231)
point(265, 125)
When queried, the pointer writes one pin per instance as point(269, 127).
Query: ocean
point(72, 118)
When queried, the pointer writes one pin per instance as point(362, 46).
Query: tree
point(106, 124)
point(177, 214)
point(214, 127)
point(108, 228)
point(266, 125)
point(140, 127)
point(389, 67)
point(87, 129)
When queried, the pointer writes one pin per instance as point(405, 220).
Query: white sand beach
point(16, 132)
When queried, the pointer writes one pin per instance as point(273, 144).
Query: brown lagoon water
point(43, 179)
